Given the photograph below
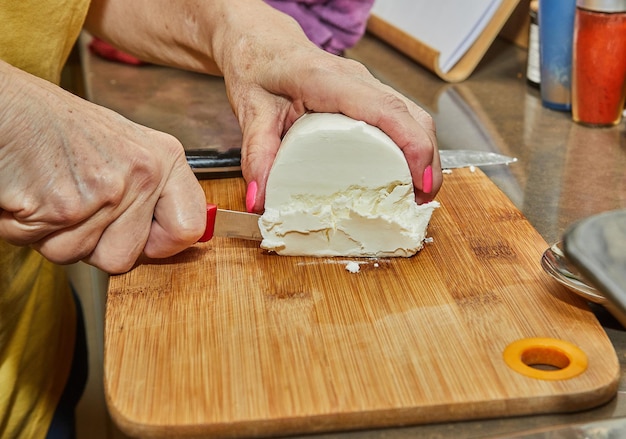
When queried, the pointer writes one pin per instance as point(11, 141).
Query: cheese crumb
point(353, 267)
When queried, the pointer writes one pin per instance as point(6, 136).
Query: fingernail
point(251, 196)
point(427, 180)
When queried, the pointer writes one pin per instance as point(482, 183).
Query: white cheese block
point(341, 187)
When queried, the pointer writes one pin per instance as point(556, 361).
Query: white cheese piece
point(341, 187)
point(353, 267)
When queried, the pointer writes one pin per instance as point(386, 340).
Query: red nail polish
point(427, 180)
point(251, 196)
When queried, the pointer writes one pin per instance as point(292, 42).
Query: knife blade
point(230, 224)
point(212, 163)
point(463, 158)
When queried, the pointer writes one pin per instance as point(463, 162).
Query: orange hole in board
point(541, 357)
point(545, 358)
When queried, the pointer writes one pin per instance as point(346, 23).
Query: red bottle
point(599, 62)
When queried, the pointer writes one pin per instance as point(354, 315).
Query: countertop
point(565, 172)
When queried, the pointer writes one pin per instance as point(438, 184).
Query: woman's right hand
point(80, 182)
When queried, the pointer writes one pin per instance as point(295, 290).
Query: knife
point(216, 164)
point(230, 224)
point(235, 224)
point(464, 158)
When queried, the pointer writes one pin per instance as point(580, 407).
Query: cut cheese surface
point(341, 187)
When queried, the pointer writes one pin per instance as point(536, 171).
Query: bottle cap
point(534, 6)
point(602, 5)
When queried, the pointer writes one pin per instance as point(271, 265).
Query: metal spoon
point(556, 264)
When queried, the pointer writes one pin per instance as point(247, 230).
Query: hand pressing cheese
point(341, 187)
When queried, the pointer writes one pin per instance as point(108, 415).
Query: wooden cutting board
point(225, 340)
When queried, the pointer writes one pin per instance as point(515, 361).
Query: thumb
point(179, 215)
point(261, 140)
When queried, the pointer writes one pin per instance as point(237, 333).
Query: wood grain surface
point(226, 340)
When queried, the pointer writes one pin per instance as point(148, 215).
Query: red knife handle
point(211, 211)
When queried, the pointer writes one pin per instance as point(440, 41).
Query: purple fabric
point(334, 25)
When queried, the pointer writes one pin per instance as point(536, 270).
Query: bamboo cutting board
point(225, 340)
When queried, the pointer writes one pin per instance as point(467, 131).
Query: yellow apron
point(37, 314)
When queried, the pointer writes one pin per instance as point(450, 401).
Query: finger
point(179, 214)
point(427, 177)
point(422, 196)
point(123, 240)
point(62, 234)
point(17, 232)
point(261, 140)
point(69, 245)
point(25, 221)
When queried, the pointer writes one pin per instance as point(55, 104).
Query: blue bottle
point(556, 32)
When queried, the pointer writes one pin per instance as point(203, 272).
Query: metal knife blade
point(463, 158)
point(234, 224)
point(212, 164)
point(231, 224)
